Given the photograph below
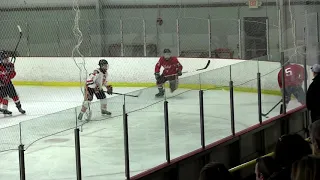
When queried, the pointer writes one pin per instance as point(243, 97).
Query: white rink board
point(141, 70)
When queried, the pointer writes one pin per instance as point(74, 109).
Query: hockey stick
point(13, 60)
point(126, 94)
point(266, 114)
point(207, 65)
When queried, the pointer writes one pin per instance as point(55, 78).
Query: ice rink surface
point(51, 111)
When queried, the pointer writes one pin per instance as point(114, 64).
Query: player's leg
point(287, 94)
point(160, 81)
point(300, 94)
point(103, 102)
point(4, 100)
point(14, 96)
point(173, 83)
point(88, 97)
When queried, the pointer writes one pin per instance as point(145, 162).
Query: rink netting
point(30, 131)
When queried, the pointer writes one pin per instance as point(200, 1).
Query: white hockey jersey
point(97, 79)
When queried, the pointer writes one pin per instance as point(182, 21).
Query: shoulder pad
point(96, 71)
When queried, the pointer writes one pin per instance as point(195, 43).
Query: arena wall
point(139, 72)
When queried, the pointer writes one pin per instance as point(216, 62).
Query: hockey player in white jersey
point(94, 86)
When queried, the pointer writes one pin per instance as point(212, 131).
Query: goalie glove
point(109, 89)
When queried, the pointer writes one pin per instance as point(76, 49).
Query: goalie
point(172, 69)
point(94, 85)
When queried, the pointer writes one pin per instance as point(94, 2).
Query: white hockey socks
point(103, 104)
point(85, 106)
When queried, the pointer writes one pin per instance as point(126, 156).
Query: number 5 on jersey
point(288, 71)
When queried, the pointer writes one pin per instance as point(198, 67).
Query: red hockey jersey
point(7, 73)
point(294, 75)
point(171, 66)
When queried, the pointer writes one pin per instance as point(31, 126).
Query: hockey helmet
point(167, 53)
point(103, 62)
point(3, 55)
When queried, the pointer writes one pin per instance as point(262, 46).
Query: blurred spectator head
point(307, 168)
point(265, 167)
point(289, 148)
point(315, 69)
point(314, 130)
point(216, 171)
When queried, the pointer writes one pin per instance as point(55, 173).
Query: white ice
point(50, 155)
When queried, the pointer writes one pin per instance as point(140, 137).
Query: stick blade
point(19, 28)
point(207, 65)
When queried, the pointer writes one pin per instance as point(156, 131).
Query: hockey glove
point(109, 89)
point(157, 76)
point(179, 73)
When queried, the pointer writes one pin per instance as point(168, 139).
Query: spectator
point(289, 148)
point(314, 130)
point(307, 168)
point(265, 167)
point(215, 171)
point(313, 94)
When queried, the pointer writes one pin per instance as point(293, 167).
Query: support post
point(202, 119)
point(280, 27)
point(126, 142)
point(305, 84)
point(178, 38)
point(21, 162)
point(121, 35)
point(210, 37)
point(144, 38)
point(232, 104)
point(259, 97)
point(78, 154)
point(166, 125)
point(28, 38)
point(283, 84)
point(58, 38)
point(239, 39)
point(267, 37)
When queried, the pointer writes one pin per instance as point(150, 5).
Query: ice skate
point(105, 112)
point(160, 94)
point(1, 110)
point(21, 111)
point(7, 112)
point(80, 116)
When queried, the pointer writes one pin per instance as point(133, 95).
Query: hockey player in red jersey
point(7, 89)
point(94, 86)
point(294, 76)
point(172, 69)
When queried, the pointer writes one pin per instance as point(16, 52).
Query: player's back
point(294, 75)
